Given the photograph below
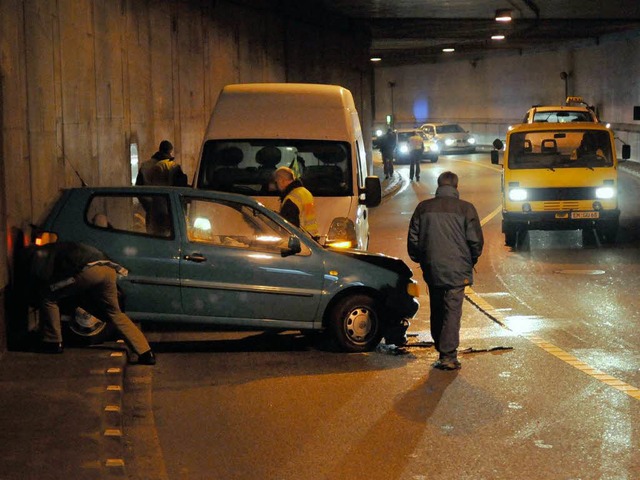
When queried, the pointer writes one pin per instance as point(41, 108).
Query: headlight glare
point(517, 194)
point(605, 192)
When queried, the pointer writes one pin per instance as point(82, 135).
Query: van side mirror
point(626, 152)
point(372, 191)
point(293, 247)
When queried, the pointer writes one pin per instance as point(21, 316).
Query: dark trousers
point(387, 162)
point(99, 285)
point(415, 156)
point(446, 312)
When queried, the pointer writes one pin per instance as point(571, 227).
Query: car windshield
point(563, 116)
point(247, 166)
point(559, 149)
point(450, 128)
point(404, 136)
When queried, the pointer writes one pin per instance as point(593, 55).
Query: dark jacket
point(445, 237)
point(52, 265)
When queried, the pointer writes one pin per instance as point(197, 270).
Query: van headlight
point(517, 194)
point(605, 192)
point(342, 233)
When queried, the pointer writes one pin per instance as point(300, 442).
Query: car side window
point(234, 225)
point(149, 215)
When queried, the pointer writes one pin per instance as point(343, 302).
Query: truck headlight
point(605, 192)
point(517, 194)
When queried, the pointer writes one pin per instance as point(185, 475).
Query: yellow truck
point(559, 176)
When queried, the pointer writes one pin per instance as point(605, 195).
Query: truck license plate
point(585, 215)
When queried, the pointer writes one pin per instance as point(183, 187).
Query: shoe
point(147, 358)
point(417, 179)
point(50, 347)
point(447, 364)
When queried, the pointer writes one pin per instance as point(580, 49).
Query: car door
point(145, 242)
point(233, 272)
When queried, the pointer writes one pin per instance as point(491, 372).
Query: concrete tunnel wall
point(81, 80)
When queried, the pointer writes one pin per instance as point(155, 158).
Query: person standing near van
point(445, 238)
point(387, 148)
point(296, 202)
point(416, 147)
point(162, 169)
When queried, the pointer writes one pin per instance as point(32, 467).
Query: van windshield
point(247, 166)
point(575, 148)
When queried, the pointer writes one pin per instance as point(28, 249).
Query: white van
point(313, 129)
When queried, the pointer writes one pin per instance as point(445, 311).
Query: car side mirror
point(293, 247)
point(372, 191)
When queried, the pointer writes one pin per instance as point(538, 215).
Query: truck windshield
point(247, 166)
point(575, 148)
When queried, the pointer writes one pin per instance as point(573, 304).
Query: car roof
point(546, 127)
point(142, 190)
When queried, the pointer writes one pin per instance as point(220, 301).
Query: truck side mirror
point(372, 191)
point(626, 152)
point(495, 154)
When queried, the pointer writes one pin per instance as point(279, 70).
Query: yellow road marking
point(559, 353)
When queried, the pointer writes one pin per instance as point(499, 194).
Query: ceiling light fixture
point(497, 37)
point(375, 59)
point(503, 15)
point(448, 50)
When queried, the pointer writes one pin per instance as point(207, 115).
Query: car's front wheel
point(355, 323)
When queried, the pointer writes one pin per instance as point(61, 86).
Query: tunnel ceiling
point(416, 31)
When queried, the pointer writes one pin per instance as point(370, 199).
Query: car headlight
point(517, 194)
point(403, 148)
point(434, 147)
point(471, 141)
point(449, 141)
point(605, 192)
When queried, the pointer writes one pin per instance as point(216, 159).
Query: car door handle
point(196, 257)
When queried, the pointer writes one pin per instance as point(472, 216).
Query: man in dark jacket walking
point(445, 237)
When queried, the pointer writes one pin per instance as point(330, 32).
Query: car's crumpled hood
point(390, 263)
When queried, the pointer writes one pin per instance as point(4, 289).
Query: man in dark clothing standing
point(65, 269)
point(445, 237)
point(387, 148)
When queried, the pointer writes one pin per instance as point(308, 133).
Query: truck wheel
point(510, 238)
point(607, 231)
point(355, 324)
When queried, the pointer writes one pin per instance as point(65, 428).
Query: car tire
point(84, 329)
point(355, 323)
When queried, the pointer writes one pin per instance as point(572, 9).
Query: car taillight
point(42, 238)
